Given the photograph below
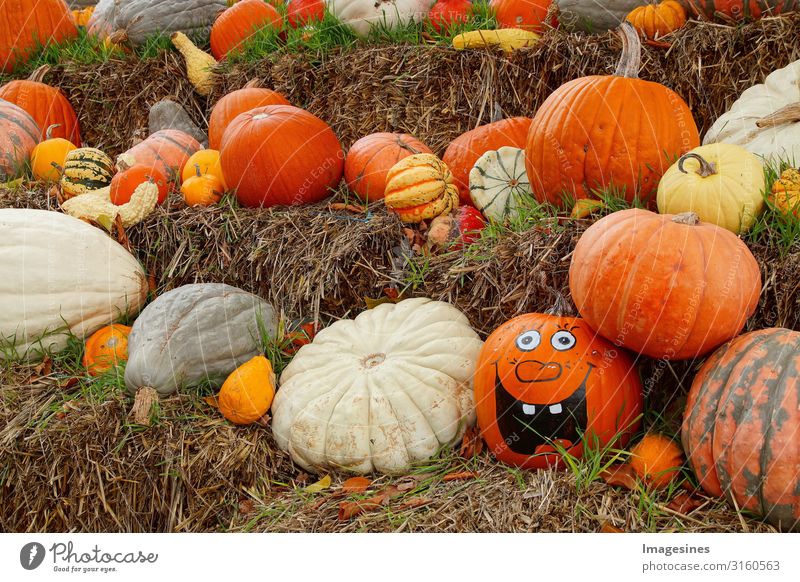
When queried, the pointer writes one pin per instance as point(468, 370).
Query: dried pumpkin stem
point(706, 168)
point(252, 84)
point(687, 218)
point(784, 115)
point(631, 59)
point(146, 397)
point(39, 73)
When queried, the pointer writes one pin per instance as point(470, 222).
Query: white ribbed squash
point(361, 15)
point(499, 185)
point(381, 391)
point(58, 274)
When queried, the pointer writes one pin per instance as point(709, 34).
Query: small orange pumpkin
point(248, 392)
point(202, 189)
point(47, 158)
point(657, 460)
point(124, 183)
point(106, 348)
point(82, 16)
point(658, 19)
point(205, 162)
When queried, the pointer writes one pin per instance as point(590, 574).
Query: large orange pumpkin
point(464, 151)
point(238, 23)
point(19, 134)
point(26, 25)
point(741, 425)
point(731, 11)
point(48, 106)
point(236, 102)
point(371, 158)
point(106, 348)
point(608, 131)
point(525, 14)
point(166, 151)
point(663, 285)
point(280, 155)
point(544, 382)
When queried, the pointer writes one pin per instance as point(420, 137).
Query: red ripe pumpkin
point(470, 223)
point(464, 151)
point(48, 106)
point(26, 25)
point(637, 129)
point(302, 12)
point(740, 429)
point(525, 14)
point(447, 14)
point(371, 158)
point(236, 102)
point(280, 155)
point(166, 151)
point(663, 285)
point(544, 382)
point(238, 23)
point(731, 11)
point(124, 183)
point(19, 134)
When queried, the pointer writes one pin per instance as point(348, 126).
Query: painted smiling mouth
point(529, 428)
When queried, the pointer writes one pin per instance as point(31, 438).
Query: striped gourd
point(420, 187)
point(85, 169)
point(499, 185)
point(19, 134)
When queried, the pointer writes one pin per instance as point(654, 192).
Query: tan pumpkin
point(420, 187)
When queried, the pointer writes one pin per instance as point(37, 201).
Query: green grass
point(773, 228)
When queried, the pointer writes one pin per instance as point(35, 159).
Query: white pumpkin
point(361, 15)
point(499, 185)
point(766, 118)
point(59, 275)
point(381, 391)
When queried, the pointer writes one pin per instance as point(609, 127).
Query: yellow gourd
point(199, 64)
point(786, 192)
point(96, 205)
point(248, 392)
point(508, 39)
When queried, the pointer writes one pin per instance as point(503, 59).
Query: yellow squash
point(508, 39)
point(199, 64)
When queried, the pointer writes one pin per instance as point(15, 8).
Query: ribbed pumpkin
point(240, 22)
point(19, 134)
point(280, 155)
point(370, 159)
point(106, 348)
point(47, 105)
point(464, 151)
point(658, 19)
point(731, 11)
point(85, 169)
point(722, 183)
point(25, 25)
point(741, 424)
point(247, 393)
point(525, 14)
point(302, 12)
point(420, 187)
point(166, 150)
point(124, 183)
point(236, 102)
point(498, 184)
point(663, 285)
point(785, 192)
point(48, 158)
point(637, 129)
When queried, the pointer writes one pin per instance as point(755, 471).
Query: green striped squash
point(86, 169)
point(499, 185)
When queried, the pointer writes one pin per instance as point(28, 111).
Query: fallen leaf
point(212, 401)
point(247, 506)
point(606, 527)
point(585, 206)
point(471, 444)
point(391, 293)
point(621, 475)
point(68, 383)
point(302, 478)
point(350, 509)
point(463, 475)
point(151, 283)
point(414, 502)
point(347, 207)
point(356, 485)
point(684, 503)
point(122, 237)
point(319, 486)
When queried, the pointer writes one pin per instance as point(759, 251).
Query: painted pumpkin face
point(545, 382)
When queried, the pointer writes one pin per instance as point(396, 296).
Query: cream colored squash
point(361, 15)
point(60, 275)
point(722, 183)
point(766, 118)
point(381, 391)
point(96, 205)
point(499, 185)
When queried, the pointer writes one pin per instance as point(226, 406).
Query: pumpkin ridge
point(5, 117)
point(400, 365)
point(698, 234)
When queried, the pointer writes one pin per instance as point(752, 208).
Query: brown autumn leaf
point(606, 527)
point(151, 283)
point(68, 382)
point(621, 475)
point(414, 502)
point(247, 506)
point(122, 237)
point(350, 509)
point(348, 207)
point(461, 476)
point(302, 478)
point(471, 444)
point(356, 485)
point(684, 503)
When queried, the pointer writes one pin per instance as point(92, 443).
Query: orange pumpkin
point(658, 19)
point(657, 460)
point(26, 25)
point(464, 151)
point(48, 157)
point(637, 129)
point(238, 23)
point(248, 392)
point(204, 162)
point(663, 285)
point(371, 158)
point(106, 348)
point(166, 151)
point(236, 102)
point(525, 14)
point(124, 183)
point(202, 189)
point(280, 155)
point(733, 11)
point(82, 16)
point(546, 383)
point(47, 105)
point(19, 134)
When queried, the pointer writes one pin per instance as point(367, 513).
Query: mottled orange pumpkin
point(106, 348)
point(166, 151)
point(733, 11)
point(248, 392)
point(19, 134)
point(657, 460)
point(545, 382)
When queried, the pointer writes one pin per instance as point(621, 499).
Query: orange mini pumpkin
point(124, 183)
point(657, 19)
point(657, 460)
point(106, 348)
point(202, 189)
point(204, 162)
point(48, 157)
point(248, 392)
point(238, 23)
point(525, 14)
point(544, 382)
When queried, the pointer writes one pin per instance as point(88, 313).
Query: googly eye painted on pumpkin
point(563, 340)
point(528, 340)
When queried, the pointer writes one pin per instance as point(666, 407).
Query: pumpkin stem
point(706, 168)
point(788, 114)
point(39, 73)
point(497, 113)
point(561, 306)
point(631, 59)
point(252, 84)
point(143, 403)
point(687, 218)
point(49, 133)
point(197, 170)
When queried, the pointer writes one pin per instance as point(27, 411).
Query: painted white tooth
point(529, 409)
point(555, 409)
